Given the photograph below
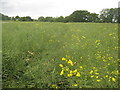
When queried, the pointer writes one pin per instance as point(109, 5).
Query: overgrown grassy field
point(60, 55)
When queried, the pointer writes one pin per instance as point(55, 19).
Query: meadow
point(59, 55)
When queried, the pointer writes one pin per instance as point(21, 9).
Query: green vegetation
point(110, 15)
point(60, 55)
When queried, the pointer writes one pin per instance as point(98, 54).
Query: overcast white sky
point(54, 8)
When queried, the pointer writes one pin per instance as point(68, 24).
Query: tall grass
point(33, 51)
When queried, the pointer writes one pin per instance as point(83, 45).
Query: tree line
point(111, 15)
point(16, 18)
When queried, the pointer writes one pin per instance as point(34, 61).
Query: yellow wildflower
point(70, 62)
point(96, 70)
point(97, 73)
point(75, 85)
point(61, 73)
point(113, 79)
point(98, 80)
point(71, 71)
point(69, 75)
point(63, 58)
point(91, 71)
point(104, 60)
point(75, 71)
point(60, 65)
point(106, 76)
point(67, 69)
point(83, 37)
point(96, 76)
point(97, 41)
point(78, 74)
point(117, 72)
point(92, 76)
point(54, 86)
point(81, 67)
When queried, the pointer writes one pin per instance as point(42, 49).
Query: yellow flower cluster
point(67, 71)
point(70, 72)
point(69, 75)
point(75, 72)
point(110, 78)
point(68, 61)
point(94, 73)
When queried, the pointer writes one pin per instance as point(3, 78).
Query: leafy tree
point(41, 18)
point(93, 17)
point(27, 18)
point(67, 19)
point(119, 15)
point(22, 18)
point(12, 18)
point(17, 18)
point(114, 15)
point(79, 16)
point(60, 19)
point(0, 16)
point(109, 15)
point(103, 15)
point(48, 19)
point(4, 17)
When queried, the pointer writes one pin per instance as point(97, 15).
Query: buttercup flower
point(81, 67)
point(78, 74)
point(69, 75)
point(98, 80)
point(113, 79)
point(91, 71)
point(70, 62)
point(75, 71)
point(75, 85)
point(63, 58)
point(61, 73)
point(60, 65)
